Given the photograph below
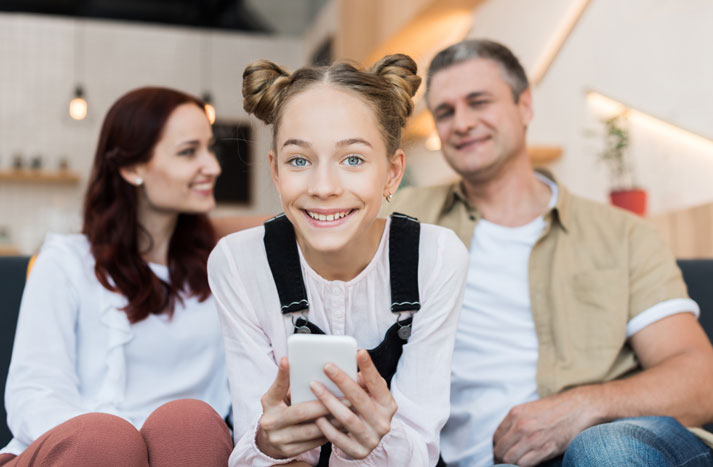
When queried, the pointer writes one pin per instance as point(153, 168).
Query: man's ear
point(524, 104)
point(272, 158)
point(397, 165)
point(133, 174)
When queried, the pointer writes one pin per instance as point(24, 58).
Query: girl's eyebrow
point(297, 142)
point(350, 141)
point(344, 142)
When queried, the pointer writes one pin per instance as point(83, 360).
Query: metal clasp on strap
point(300, 329)
point(404, 331)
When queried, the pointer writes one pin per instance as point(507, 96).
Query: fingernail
point(316, 388)
point(330, 369)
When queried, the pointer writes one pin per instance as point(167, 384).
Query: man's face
point(480, 125)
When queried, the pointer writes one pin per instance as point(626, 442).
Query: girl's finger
point(294, 434)
point(343, 441)
point(352, 422)
point(277, 392)
point(301, 413)
point(355, 394)
point(295, 449)
point(375, 384)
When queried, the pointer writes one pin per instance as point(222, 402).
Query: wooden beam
point(370, 29)
point(436, 26)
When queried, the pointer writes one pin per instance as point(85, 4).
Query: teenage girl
point(330, 264)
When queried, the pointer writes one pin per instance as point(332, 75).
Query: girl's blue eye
point(298, 162)
point(354, 161)
point(187, 152)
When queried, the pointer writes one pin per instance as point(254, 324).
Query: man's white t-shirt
point(495, 356)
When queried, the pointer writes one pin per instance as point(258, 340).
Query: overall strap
point(403, 261)
point(284, 261)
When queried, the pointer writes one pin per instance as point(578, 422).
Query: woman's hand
point(287, 431)
point(359, 429)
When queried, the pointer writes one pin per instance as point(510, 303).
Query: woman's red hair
point(131, 129)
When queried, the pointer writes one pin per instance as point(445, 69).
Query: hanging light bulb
point(209, 109)
point(78, 105)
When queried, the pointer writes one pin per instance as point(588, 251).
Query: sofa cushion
point(12, 282)
point(698, 275)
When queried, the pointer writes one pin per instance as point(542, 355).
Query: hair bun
point(263, 85)
point(400, 71)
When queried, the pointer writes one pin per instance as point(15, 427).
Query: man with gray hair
point(577, 342)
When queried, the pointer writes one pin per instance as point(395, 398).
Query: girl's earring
point(139, 181)
point(388, 197)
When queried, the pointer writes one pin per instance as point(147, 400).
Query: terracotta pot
point(633, 200)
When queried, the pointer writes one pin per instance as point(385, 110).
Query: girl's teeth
point(328, 217)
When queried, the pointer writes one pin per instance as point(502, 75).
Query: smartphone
point(308, 353)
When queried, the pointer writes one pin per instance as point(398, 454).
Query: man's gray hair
point(513, 73)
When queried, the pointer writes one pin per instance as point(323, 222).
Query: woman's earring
point(388, 197)
point(139, 181)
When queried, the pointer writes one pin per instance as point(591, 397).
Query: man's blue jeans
point(642, 441)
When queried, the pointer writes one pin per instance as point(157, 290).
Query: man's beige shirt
point(593, 269)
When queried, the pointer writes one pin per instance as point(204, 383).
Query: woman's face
point(180, 176)
point(331, 169)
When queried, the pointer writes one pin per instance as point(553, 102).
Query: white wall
point(654, 55)
point(37, 78)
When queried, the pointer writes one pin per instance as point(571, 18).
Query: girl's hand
point(287, 431)
point(372, 407)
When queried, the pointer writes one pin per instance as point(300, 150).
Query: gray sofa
point(698, 275)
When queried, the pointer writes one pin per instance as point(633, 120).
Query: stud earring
point(388, 197)
point(139, 181)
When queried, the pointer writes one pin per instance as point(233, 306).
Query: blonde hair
point(387, 88)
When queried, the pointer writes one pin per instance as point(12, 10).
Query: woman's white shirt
point(76, 352)
point(255, 334)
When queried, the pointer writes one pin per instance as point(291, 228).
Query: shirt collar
point(455, 193)
point(559, 212)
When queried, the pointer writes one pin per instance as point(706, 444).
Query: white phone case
point(308, 353)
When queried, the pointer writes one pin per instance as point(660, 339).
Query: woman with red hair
point(118, 359)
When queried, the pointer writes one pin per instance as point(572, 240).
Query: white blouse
point(255, 334)
point(76, 352)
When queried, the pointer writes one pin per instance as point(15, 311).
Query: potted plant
point(624, 191)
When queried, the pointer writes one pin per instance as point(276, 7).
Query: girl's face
point(332, 171)
point(182, 171)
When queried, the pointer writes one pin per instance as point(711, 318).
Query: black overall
point(283, 257)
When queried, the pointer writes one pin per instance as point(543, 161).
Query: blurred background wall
point(585, 58)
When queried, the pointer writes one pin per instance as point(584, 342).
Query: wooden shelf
point(8, 250)
point(540, 155)
point(40, 176)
